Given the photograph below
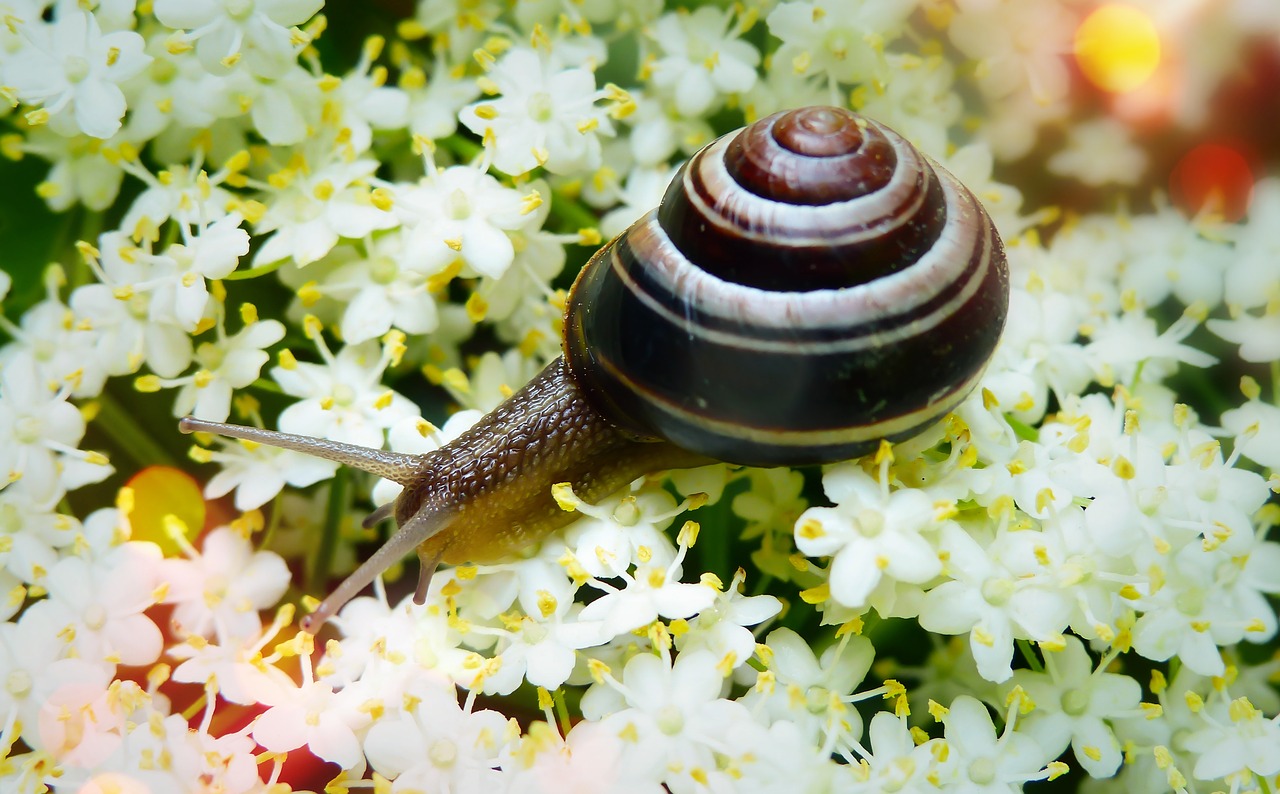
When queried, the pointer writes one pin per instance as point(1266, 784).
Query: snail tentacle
point(394, 466)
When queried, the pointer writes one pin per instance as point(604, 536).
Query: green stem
point(277, 514)
point(572, 212)
point(129, 436)
point(1025, 431)
point(1029, 653)
point(1275, 382)
point(562, 711)
point(254, 272)
point(322, 563)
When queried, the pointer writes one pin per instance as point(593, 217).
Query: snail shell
point(808, 286)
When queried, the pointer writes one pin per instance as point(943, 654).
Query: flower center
point(458, 206)
point(28, 430)
point(18, 684)
point(162, 71)
point(982, 771)
point(139, 306)
point(239, 10)
point(443, 753)
point(215, 589)
point(837, 42)
point(627, 513)
point(343, 394)
point(76, 68)
point(95, 617)
point(540, 106)
point(1190, 602)
point(210, 355)
point(997, 591)
point(383, 270)
point(870, 523)
point(670, 720)
point(534, 632)
point(1075, 702)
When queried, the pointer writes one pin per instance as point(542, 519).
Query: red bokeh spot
point(1213, 178)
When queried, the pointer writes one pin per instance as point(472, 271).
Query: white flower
point(226, 31)
point(128, 325)
point(49, 336)
point(872, 532)
point(809, 691)
point(80, 172)
point(226, 364)
point(40, 433)
point(30, 534)
point(1257, 425)
point(587, 760)
point(258, 472)
point(980, 760)
point(98, 605)
point(653, 592)
point(1073, 703)
point(1238, 737)
point(461, 214)
point(316, 207)
point(1253, 275)
point(212, 253)
point(546, 115)
point(895, 761)
point(186, 194)
point(721, 629)
point(1100, 152)
point(379, 290)
point(438, 745)
point(220, 590)
point(622, 531)
point(343, 398)
point(1256, 335)
point(704, 58)
point(1170, 255)
point(361, 102)
point(315, 716)
point(841, 39)
point(73, 69)
point(434, 102)
point(236, 669)
point(996, 593)
point(670, 716)
point(33, 665)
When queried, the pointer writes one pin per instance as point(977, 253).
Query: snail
point(809, 286)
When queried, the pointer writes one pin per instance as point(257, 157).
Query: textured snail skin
point(807, 287)
point(846, 290)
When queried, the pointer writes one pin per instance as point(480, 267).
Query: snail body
point(809, 286)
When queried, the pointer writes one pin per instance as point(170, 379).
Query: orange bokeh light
point(1212, 178)
point(159, 491)
point(1118, 48)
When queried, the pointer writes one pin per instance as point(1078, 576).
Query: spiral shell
point(809, 285)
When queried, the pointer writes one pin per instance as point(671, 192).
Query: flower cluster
point(1075, 570)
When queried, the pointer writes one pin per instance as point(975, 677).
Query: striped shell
point(809, 285)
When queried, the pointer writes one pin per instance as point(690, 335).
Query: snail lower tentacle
point(808, 287)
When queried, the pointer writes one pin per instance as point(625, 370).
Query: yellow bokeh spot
point(160, 491)
point(1118, 48)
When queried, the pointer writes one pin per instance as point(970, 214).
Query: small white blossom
point(220, 590)
point(227, 31)
point(546, 115)
point(703, 58)
point(73, 70)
